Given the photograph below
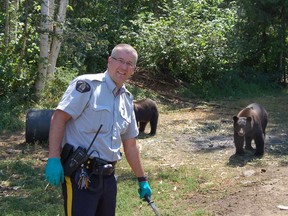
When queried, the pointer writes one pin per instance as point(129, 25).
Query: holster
point(66, 151)
point(101, 168)
point(98, 166)
point(72, 160)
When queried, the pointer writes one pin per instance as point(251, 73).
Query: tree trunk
point(49, 49)
point(24, 39)
point(44, 47)
point(7, 26)
point(13, 19)
point(282, 65)
point(119, 11)
point(57, 36)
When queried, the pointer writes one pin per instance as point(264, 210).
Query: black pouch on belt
point(74, 161)
point(67, 150)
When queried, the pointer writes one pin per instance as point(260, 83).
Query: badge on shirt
point(82, 86)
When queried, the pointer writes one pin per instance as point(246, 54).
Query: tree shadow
point(277, 144)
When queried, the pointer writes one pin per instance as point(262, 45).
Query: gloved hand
point(144, 189)
point(54, 171)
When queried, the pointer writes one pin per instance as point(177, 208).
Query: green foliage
point(232, 85)
point(188, 41)
point(12, 112)
point(261, 37)
point(55, 87)
point(19, 52)
point(140, 93)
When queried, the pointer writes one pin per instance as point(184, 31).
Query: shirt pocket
point(126, 116)
point(124, 119)
point(101, 115)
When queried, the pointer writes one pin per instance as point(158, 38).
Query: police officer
point(91, 101)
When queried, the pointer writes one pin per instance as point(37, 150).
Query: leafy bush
point(140, 93)
point(12, 111)
point(232, 85)
point(55, 87)
point(188, 41)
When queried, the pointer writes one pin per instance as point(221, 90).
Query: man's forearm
point(57, 127)
point(133, 157)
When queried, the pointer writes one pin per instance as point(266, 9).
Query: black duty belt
point(98, 166)
point(94, 166)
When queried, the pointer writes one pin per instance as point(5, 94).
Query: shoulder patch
point(82, 86)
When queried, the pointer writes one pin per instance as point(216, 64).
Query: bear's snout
point(241, 132)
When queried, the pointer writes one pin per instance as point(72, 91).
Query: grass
point(22, 190)
point(184, 181)
point(23, 185)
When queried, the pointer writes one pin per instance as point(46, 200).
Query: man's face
point(121, 67)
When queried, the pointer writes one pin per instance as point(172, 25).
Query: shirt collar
point(112, 87)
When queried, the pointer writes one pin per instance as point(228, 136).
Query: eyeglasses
point(122, 62)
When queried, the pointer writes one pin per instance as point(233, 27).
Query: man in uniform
point(96, 104)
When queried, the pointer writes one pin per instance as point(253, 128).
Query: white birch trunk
point(44, 47)
point(57, 38)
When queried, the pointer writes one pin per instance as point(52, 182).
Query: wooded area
point(206, 43)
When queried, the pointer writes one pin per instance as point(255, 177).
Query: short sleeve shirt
point(93, 100)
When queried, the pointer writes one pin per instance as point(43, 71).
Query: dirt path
point(264, 196)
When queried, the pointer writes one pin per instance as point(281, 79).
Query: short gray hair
point(127, 48)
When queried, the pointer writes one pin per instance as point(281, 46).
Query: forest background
point(216, 48)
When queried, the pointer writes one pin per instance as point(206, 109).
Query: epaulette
point(93, 77)
point(84, 81)
point(129, 94)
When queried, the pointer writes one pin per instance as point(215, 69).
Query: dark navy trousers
point(96, 201)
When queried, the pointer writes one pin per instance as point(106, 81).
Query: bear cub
point(250, 124)
point(146, 111)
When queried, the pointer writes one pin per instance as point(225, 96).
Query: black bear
point(250, 123)
point(146, 111)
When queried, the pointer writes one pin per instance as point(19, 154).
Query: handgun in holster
point(101, 167)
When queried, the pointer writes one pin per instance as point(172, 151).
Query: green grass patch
point(23, 189)
point(170, 187)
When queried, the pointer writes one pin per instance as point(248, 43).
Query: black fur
point(146, 111)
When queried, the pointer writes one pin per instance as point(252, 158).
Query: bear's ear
point(249, 119)
point(235, 118)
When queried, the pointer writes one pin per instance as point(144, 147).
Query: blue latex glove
point(144, 189)
point(54, 171)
